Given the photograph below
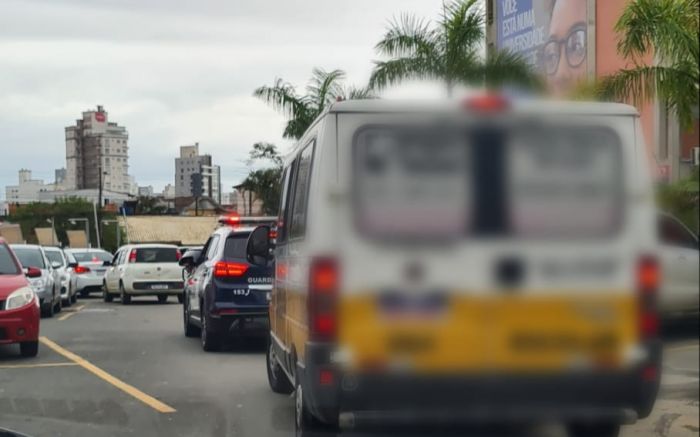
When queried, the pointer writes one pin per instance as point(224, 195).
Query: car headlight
point(38, 284)
point(19, 298)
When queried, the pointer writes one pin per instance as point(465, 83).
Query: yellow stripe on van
point(499, 333)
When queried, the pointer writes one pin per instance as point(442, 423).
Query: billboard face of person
point(549, 34)
point(564, 53)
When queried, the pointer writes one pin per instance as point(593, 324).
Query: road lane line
point(31, 366)
point(70, 313)
point(129, 389)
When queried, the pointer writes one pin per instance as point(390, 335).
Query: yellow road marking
point(129, 389)
point(70, 313)
point(31, 366)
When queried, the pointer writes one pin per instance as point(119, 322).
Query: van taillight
point(323, 293)
point(648, 280)
point(132, 256)
point(225, 269)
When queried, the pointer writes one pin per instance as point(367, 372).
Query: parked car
point(19, 305)
point(143, 270)
point(46, 285)
point(87, 269)
point(485, 259)
point(680, 284)
point(60, 263)
point(226, 294)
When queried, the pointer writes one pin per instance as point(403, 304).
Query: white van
point(476, 261)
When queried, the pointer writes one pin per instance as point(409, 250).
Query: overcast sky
point(172, 71)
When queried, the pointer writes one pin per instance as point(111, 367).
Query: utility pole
point(98, 210)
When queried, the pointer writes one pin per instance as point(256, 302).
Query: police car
point(226, 291)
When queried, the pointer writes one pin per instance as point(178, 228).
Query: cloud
point(172, 71)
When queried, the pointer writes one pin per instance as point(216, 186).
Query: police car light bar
point(236, 220)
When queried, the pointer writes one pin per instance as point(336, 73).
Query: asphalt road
point(109, 370)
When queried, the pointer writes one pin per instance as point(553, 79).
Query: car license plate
point(159, 287)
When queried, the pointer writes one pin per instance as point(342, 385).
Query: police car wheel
point(190, 329)
point(210, 341)
point(279, 383)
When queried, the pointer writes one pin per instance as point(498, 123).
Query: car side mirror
point(56, 265)
point(72, 265)
point(33, 272)
point(259, 245)
point(189, 259)
point(107, 263)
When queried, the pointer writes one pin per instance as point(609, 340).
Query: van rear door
point(474, 245)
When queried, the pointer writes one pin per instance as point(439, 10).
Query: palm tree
point(668, 29)
point(323, 89)
point(449, 51)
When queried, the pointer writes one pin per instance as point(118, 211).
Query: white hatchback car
point(144, 270)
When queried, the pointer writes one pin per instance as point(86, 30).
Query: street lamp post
point(74, 221)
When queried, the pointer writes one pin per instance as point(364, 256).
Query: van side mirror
point(33, 272)
point(189, 259)
point(259, 244)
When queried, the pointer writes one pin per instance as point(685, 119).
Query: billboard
point(551, 35)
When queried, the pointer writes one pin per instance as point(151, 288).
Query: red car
point(19, 306)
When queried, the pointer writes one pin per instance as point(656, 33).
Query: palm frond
point(503, 67)
point(282, 97)
point(674, 85)
point(324, 87)
point(406, 36)
point(463, 21)
point(668, 28)
point(354, 93)
point(390, 72)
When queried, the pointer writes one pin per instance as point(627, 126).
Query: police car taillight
point(323, 293)
point(226, 269)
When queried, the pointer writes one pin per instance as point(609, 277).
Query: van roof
point(519, 105)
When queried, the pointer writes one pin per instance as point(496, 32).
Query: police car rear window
point(235, 247)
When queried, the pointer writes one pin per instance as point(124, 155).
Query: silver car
point(87, 268)
point(59, 262)
point(45, 286)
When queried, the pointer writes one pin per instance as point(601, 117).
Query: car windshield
point(54, 256)
point(156, 255)
point(91, 256)
point(29, 257)
point(8, 266)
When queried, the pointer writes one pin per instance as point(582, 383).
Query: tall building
point(93, 146)
point(191, 162)
point(169, 191)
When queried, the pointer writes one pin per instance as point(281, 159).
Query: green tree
point(265, 182)
point(324, 88)
point(147, 205)
point(668, 30)
point(448, 51)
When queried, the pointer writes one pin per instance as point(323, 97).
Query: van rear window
point(156, 255)
point(487, 181)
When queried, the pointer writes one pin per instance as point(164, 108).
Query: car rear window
point(54, 256)
point(487, 181)
point(8, 266)
point(156, 255)
point(91, 256)
point(29, 257)
point(235, 247)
